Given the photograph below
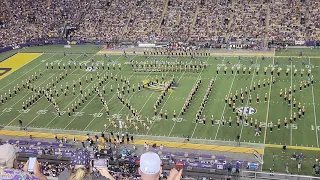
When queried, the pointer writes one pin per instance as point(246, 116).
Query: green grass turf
point(296, 51)
point(303, 132)
point(276, 160)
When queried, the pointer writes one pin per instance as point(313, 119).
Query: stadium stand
point(55, 156)
point(25, 20)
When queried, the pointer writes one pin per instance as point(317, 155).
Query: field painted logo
point(160, 86)
point(246, 110)
point(90, 69)
point(4, 71)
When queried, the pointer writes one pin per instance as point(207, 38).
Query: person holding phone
point(8, 164)
point(81, 169)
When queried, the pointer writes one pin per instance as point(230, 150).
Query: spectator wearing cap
point(150, 168)
point(8, 165)
point(81, 169)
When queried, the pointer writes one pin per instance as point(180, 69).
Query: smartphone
point(32, 161)
point(99, 163)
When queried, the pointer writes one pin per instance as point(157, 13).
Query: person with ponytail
point(81, 169)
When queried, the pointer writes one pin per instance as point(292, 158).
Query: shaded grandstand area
point(207, 20)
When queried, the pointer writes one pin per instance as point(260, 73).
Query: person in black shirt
point(20, 123)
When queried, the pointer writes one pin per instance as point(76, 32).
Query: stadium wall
point(64, 42)
point(39, 43)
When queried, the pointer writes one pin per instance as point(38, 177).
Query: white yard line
point(167, 100)
point(62, 96)
point(25, 72)
point(26, 95)
point(195, 127)
point(111, 99)
point(225, 105)
point(78, 94)
point(268, 106)
point(92, 100)
point(122, 106)
point(40, 97)
point(185, 101)
point(150, 96)
point(314, 110)
point(290, 106)
point(31, 92)
point(165, 103)
point(253, 74)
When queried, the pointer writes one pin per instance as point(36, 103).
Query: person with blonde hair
point(81, 169)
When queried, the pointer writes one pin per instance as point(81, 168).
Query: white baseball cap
point(150, 163)
point(7, 153)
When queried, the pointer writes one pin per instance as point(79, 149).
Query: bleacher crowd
point(60, 158)
point(145, 20)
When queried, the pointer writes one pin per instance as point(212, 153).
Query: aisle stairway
point(307, 21)
point(194, 20)
point(267, 23)
point(165, 8)
point(230, 21)
point(129, 15)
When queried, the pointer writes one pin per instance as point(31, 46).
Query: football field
point(91, 115)
point(100, 71)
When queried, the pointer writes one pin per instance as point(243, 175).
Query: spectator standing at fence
point(8, 164)
point(287, 167)
point(299, 166)
point(20, 123)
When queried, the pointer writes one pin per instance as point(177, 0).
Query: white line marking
point(253, 74)
point(291, 107)
point(102, 108)
point(39, 99)
point(195, 127)
point(167, 101)
point(29, 92)
point(26, 72)
point(268, 106)
point(225, 105)
point(165, 104)
point(62, 96)
point(314, 111)
point(112, 98)
point(79, 95)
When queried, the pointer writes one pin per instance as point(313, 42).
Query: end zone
point(15, 62)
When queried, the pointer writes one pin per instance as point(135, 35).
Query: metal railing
point(274, 176)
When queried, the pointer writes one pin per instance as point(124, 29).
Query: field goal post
point(258, 156)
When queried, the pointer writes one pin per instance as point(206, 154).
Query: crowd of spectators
point(124, 159)
point(146, 20)
point(212, 20)
point(314, 16)
point(249, 19)
point(286, 20)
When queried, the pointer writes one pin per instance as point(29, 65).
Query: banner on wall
point(299, 42)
